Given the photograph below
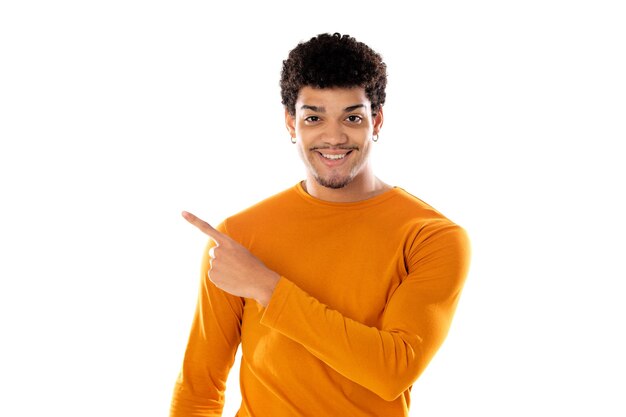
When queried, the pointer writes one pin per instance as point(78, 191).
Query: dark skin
point(233, 268)
point(328, 120)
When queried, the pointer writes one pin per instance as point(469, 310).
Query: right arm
point(215, 336)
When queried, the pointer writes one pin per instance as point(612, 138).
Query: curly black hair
point(333, 61)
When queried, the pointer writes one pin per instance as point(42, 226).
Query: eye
point(353, 118)
point(312, 119)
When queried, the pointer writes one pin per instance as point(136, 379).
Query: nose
point(334, 134)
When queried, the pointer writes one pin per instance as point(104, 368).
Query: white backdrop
point(117, 115)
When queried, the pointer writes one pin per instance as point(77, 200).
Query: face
point(333, 128)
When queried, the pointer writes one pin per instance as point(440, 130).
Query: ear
point(290, 123)
point(378, 120)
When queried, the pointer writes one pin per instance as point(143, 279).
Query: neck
point(360, 188)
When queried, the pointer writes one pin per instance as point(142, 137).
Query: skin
point(233, 268)
point(333, 121)
point(329, 121)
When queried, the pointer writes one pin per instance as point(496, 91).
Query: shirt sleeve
point(416, 319)
point(213, 342)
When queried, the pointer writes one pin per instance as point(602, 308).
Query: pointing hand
point(233, 268)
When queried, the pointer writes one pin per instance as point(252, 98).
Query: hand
point(233, 268)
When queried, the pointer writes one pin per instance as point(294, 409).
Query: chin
point(334, 183)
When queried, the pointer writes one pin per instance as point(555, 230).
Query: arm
point(213, 341)
point(386, 360)
point(415, 322)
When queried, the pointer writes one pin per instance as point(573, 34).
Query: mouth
point(333, 157)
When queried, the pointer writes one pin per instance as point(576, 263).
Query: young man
point(339, 289)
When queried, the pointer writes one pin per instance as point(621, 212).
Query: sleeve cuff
point(277, 302)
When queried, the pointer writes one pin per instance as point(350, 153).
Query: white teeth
point(340, 156)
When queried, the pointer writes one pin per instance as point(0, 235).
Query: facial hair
point(334, 181)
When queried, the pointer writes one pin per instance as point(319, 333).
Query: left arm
point(385, 360)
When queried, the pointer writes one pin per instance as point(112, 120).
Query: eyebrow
point(321, 109)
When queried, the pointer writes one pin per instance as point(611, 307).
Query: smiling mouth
point(334, 154)
point(334, 157)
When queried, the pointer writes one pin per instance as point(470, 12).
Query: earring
point(293, 140)
point(375, 138)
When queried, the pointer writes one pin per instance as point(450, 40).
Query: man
point(339, 289)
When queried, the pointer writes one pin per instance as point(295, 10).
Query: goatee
point(334, 183)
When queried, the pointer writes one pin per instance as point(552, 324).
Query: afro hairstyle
point(327, 61)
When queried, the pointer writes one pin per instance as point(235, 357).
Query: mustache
point(344, 148)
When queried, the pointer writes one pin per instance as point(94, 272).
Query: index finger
point(204, 227)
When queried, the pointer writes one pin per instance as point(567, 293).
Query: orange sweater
point(366, 296)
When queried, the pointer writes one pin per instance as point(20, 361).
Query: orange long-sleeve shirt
point(366, 296)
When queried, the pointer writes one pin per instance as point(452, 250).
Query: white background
point(115, 116)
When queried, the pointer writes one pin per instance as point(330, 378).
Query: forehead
point(332, 98)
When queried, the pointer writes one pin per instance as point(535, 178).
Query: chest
point(352, 271)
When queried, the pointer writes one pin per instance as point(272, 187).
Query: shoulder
point(417, 213)
point(261, 213)
point(404, 199)
point(427, 226)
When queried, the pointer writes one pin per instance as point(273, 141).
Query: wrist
point(267, 289)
